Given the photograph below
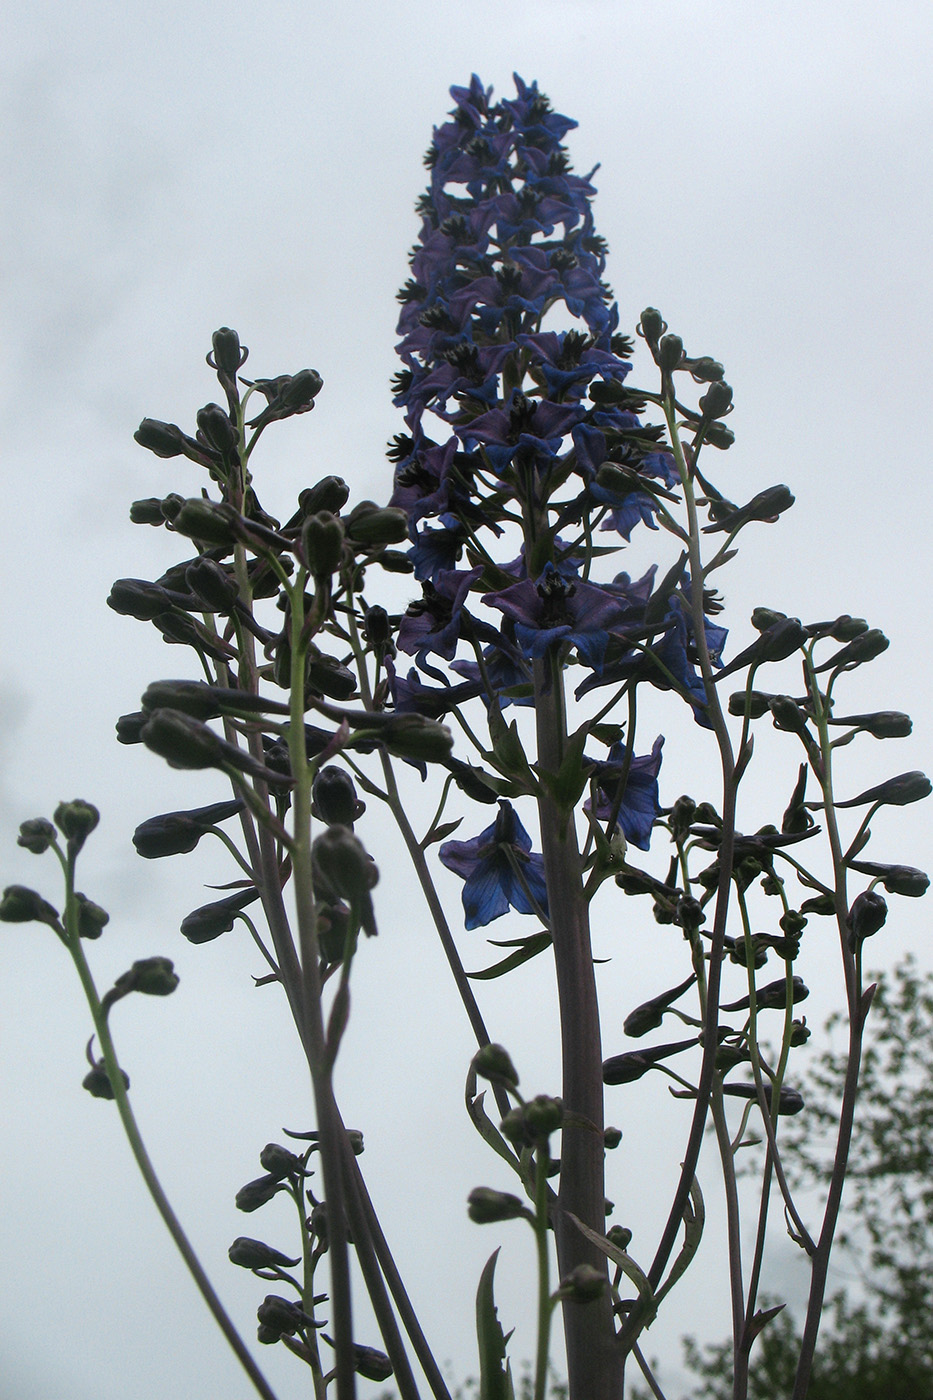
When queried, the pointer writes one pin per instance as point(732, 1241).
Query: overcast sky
point(765, 181)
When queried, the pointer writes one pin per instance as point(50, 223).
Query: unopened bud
point(91, 918)
point(486, 1206)
point(21, 905)
point(254, 1254)
point(182, 741)
point(256, 1193)
point(76, 820)
point(494, 1062)
point(368, 524)
point(867, 915)
point(36, 835)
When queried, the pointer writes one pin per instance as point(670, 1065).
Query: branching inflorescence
point(527, 464)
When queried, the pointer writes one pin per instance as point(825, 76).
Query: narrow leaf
point(495, 1376)
point(530, 948)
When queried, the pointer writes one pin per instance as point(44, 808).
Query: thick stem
point(594, 1367)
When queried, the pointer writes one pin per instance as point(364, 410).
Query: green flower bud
point(322, 538)
point(256, 1193)
point(758, 702)
point(543, 1116)
point(682, 814)
point(369, 525)
point(896, 879)
point(705, 370)
point(719, 436)
point(91, 918)
point(147, 512)
point(717, 401)
point(394, 561)
point(281, 1316)
point(176, 833)
point(212, 584)
point(417, 738)
point(210, 522)
point(76, 820)
point(513, 1128)
point(330, 495)
point(211, 920)
point(154, 977)
point(486, 1206)
point(864, 647)
point(611, 1138)
point(193, 698)
point(493, 1062)
point(328, 676)
point(182, 741)
point(799, 1032)
point(228, 354)
point(790, 1101)
point(21, 905)
point(652, 326)
point(254, 1254)
point(376, 626)
point(619, 1236)
point(164, 439)
point(866, 917)
point(98, 1084)
point(883, 724)
point(788, 715)
point(371, 1364)
point(217, 431)
point(279, 1161)
point(36, 835)
point(763, 618)
point(584, 1284)
point(845, 628)
point(129, 728)
point(896, 792)
point(670, 353)
point(334, 798)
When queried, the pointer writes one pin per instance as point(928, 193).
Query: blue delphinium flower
point(499, 870)
point(639, 806)
point(555, 608)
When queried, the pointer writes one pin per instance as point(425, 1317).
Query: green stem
point(143, 1161)
point(545, 1304)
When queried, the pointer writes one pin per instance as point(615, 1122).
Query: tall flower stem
point(594, 1367)
point(138, 1147)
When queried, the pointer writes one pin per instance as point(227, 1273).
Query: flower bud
point(670, 353)
point(256, 1193)
point(543, 1116)
point(620, 1236)
point(788, 715)
point(719, 436)
point(97, 1082)
point(217, 430)
point(212, 584)
point(417, 738)
point(129, 727)
point(799, 1032)
point(494, 1062)
point(21, 905)
point(611, 1139)
point(866, 917)
point(228, 354)
point(147, 512)
point(36, 835)
point(329, 495)
point(705, 370)
point(254, 1254)
point(845, 628)
point(334, 798)
point(376, 626)
point(717, 401)
point(371, 1364)
point(136, 597)
point(76, 820)
point(394, 561)
point(176, 833)
point(864, 647)
point(154, 977)
point(91, 918)
point(193, 698)
point(896, 792)
point(883, 724)
point(281, 1316)
point(164, 439)
point(279, 1161)
point(210, 522)
point(584, 1284)
point(652, 326)
point(370, 525)
point(758, 702)
point(211, 920)
point(486, 1206)
point(182, 741)
point(896, 879)
point(328, 676)
point(322, 537)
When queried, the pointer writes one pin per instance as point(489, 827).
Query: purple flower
point(432, 623)
point(498, 869)
point(556, 608)
point(639, 806)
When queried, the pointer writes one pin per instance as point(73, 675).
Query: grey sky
point(765, 181)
